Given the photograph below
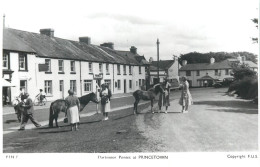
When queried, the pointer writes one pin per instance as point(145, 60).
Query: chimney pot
point(108, 45)
point(47, 31)
point(184, 62)
point(86, 40)
point(133, 50)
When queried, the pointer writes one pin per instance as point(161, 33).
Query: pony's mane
point(155, 88)
point(82, 99)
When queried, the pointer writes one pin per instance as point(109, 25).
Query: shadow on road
point(236, 111)
point(238, 106)
point(11, 121)
point(58, 131)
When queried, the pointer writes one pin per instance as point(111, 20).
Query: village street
point(215, 122)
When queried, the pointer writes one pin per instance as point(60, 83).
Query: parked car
point(217, 85)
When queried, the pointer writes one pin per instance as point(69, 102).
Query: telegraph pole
point(158, 60)
point(4, 20)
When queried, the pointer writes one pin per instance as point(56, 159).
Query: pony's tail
point(51, 116)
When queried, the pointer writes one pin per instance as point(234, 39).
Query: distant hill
point(195, 57)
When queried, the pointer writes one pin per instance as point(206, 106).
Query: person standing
point(186, 98)
point(73, 110)
point(105, 95)
point(40, 97)
point(164, 98)
point(28, 112)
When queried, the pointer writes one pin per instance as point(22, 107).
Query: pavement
point(10, 109)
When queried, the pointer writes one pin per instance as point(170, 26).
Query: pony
point(61, 105)
point(150, 94)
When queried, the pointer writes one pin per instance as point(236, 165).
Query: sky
point(182, 26)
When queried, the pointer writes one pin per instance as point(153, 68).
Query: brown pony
point(147, 95)
point(61, 105)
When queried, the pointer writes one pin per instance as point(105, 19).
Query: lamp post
point(158, 60)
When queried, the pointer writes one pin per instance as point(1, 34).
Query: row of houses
point(34, 61)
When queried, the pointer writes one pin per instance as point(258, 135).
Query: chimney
point(243, 58)
point(184, 62)
point(108, 45)
point(212, 60)
point(86, 40)
point(133, 50)
point(151, 59)
point(47, 31)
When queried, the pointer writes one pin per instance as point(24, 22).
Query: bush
point(247, 88)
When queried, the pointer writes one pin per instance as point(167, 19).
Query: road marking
point(44, 123)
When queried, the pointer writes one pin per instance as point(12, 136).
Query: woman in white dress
point(105, 100)
point(73, 110)
point(186, 98)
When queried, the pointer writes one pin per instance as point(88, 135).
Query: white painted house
point(41, 61)
point(206, 74)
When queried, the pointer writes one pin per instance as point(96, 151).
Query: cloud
point(128, 18)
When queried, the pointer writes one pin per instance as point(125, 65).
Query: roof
point(163, 64)
point(53, 47)
point(207, 66)
point(137, 57)
point(226, 64)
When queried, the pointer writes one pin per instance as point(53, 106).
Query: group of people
point(185, 99)
point(105, 95)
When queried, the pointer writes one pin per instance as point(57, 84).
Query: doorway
point(23, 85)
point(124, 85)
point(62, 89)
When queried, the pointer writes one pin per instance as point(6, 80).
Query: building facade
point(35, 61)
point(206, 74)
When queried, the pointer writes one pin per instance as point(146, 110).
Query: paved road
point(214, 123)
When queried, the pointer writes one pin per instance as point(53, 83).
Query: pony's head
point(93, 97)
point(158, 88)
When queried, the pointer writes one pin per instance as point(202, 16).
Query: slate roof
point(137, 57)
point(45, 46)
point(226, 64)
point(163, 64)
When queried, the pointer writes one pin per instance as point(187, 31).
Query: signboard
point(98, 76)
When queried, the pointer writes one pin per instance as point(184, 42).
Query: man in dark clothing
point(28, 112)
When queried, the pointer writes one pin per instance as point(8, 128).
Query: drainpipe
point(113, 79)
point(80, 78)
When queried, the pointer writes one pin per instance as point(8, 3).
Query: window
point(90, 67)
point(48, 87)
point(130, 84)
point(73, 86)
point(188, 73)
point(124, 69)
point(107, 68)
point(140, 82)
point(226, 72)
point(61, 85)
point(87, 85)
point(130, 70)
point(72, 66)
point(61, 66)
point(119, 84)
point(140, 70)
point(22, 62)
point(198, 73)
point(143, 82)
point(5, 61)
point(118, 69)
point(48, 63)
point(216, 72)
point(108, 82)
point(100, 65)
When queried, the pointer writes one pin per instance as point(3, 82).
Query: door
point(62, 89)
point(124, 85)
point(23, 85)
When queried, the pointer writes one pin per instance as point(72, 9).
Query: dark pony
point(61, 105)
point(146, 95)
